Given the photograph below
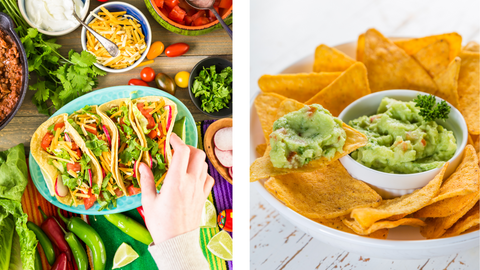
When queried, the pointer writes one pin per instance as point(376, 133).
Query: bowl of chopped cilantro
point(210, 86)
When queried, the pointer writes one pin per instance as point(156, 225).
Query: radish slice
point(90, 177)
point(151, 161)
point(60, 189)
point(134, 175)
point(223, 139)
point(225, 157)
point(169, 116)
point(103, 173)
point(230, 172)
point(165, 151)
point(67, 138)
point(105, 130)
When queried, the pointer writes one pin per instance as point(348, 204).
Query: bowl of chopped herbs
point(210, 86)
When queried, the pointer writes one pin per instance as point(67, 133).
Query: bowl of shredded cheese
point(127, 27)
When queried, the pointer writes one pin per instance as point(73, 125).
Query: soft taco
point(100, 136)
point(154, 118)
point(70, 171)
point(128, 145)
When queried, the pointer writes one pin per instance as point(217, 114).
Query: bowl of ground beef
point(13, 71)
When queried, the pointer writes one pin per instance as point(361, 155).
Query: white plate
point(404, 242)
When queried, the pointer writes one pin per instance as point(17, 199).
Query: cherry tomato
point(90, 201)
point(181, 79)
point(137, 82)
point(200, 21)
point(176, 49)
point(47, 140)
point(133, 190)
point(155, 50)
point(147, 74)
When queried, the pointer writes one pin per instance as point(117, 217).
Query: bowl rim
point(191, 80)
point(83, 36)
point(453, 110)
point(21, 6)
point(184, 27)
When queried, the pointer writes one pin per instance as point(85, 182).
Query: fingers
point(181, 154)
point(196, 162)
point(149, 191)
point(208, 185)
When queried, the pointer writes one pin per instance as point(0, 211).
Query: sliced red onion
point(134, 175)
point(90, 177)
point(165, 150)
point(67, 138)
point(105, 130)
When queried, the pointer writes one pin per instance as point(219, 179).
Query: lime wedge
point(209, 216)
point(179, 128)
point(221, 246)
point(124, 255)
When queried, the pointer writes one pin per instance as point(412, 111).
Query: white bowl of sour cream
point(390, 185)
point(53, 17)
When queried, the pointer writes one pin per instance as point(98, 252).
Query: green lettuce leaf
point(13, 173)
point(16, 258)
point(6, 237)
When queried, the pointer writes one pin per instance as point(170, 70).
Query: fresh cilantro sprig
point(430, 110)
point(214, 89)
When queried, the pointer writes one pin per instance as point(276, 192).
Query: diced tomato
point(185, 6)
point(171, 3)
point(201, 21)
point(133, 190)
point(211, 16)
point(152, 134)
point(58, 126)
point(188, 20)
point(79, 152)
point(145, 112)
point(74, 146)
point(47, 140)
point(191, 12)
point(76, 167)
point(404, 146)
point(200, 13)
point(177, 14)
point(159, 3)
point(424, 142)
point(92, 130)
point(225, 4)
point(90, 201)
point(118, 192)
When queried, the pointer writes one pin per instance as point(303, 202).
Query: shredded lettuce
point(141, 119)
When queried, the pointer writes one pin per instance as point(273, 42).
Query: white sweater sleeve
point(180, 253)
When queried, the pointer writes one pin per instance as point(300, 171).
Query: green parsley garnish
point(214, 89)
point(430, 110)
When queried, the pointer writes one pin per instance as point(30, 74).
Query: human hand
point(177, 209)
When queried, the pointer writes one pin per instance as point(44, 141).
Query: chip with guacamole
point(401, 141)
point(304, 135)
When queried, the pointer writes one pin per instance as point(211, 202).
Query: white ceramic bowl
point(131, 10)
point(23, 11)
point(390, 185)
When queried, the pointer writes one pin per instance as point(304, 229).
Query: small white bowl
point(131, 10)
point(23, 11)
point(390, 185)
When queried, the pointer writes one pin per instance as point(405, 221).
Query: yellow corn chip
point(328, 192)
point(469, 220)
point(405, 204)
point(472, 46)
point(383, 224)
point(445, 208)
point(447, 82)
point(260, 149)
point(472, 229)
point(360, 47)
point(412, 46)
point(348, 87)
point(267, 105)
point(434, 57)
point(475, 142)
point(301, 86)
point(389, 67)
point(330, 60)
point(469, 91)
point(336, 223)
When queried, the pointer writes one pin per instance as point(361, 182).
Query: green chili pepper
point(44, 242)
point(78, 251)
point(132, 228)
point(90, 237)
point(38, 260)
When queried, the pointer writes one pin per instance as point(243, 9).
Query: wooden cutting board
point(209, 146)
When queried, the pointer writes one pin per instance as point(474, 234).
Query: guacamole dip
point(400, 141)
point(304, 135)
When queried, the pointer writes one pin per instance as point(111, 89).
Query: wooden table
point(216, 43)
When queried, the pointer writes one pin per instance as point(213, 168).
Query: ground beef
point(10, 75)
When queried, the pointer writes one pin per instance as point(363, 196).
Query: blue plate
point(97, 98)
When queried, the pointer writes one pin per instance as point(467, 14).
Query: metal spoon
point(111, 47)
point(208, 4)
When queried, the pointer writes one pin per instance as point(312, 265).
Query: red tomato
point(225, 4)
point(188, 20)
point(177, 14)
point(151, 122)
point(155, 50)
point(133, 190)
point(118, 192)
point(47, 140)
point(201, 21)
point(58, 126)
point(74, 146)
point(147, 74)
point(159, 3)
point(137, 82)
point(200, 13)
point(211, 16)
point(176, 49)
point(152, 134)
point(103, 1)
point(171, 3)
point(79, 152)
point(92, 130)
point(191, 12)
point(90, 201)
point(76, 167)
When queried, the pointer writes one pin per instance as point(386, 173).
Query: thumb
point(149, 191)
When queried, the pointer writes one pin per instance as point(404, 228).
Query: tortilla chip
point(361, 47)
point(383, 224)
point(412, 46)
point(475, 142)
point(328, 192)
point(472, 46)
point(301, 86)
point(287, 106)
point(405, 204)
point(330, 60)
point(447, 82)
point(389, 67)
point(336, 223)
point(445, 208)
point(469, 220)
point(267, 105)
point(469, 91)
point(348, 87)
point(262, 167)
point(472, 229)
point(434, 57)
point(436, 227)
point(260, 149)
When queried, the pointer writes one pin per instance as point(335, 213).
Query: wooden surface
point(277, 43)
point(216, 43)
point(209, 146)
